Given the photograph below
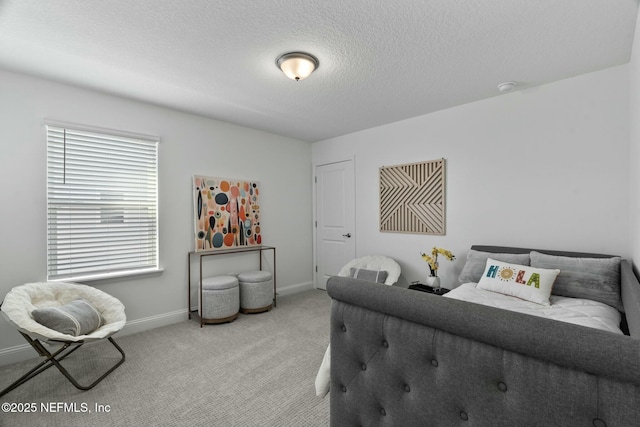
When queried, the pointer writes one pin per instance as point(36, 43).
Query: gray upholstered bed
point(405, 358)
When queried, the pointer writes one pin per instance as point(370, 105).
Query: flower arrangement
point(432, 259)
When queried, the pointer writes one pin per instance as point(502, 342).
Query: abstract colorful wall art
point(227, 213)
point(412, 198)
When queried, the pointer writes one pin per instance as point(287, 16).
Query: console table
point(203, 254)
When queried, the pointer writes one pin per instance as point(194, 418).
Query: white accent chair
point(376, 263)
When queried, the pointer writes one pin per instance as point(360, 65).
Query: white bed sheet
point(572, 310)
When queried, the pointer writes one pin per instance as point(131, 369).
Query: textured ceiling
point(380, 61)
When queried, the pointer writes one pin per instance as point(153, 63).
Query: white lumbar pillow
point(521, 281)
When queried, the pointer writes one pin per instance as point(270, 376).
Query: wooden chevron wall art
point(412, 198)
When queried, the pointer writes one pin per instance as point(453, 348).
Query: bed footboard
point(401, 357)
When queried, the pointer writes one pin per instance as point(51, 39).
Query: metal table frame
point(203, 254)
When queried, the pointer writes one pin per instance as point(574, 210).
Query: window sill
point(107, 276)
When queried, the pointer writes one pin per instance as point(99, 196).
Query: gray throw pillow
point(79, 317)
point(369, 275)
point(597, 279)
point(477, 261)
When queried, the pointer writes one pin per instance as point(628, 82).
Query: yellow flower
point(432, 259)
point(443, 252)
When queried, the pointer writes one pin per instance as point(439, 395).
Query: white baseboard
point(294, 289)
point(23, 352)
point(17, 353)
point(152, 322)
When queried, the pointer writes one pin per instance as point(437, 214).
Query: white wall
point(190, 145)
point(634, 153)
point(545, 167)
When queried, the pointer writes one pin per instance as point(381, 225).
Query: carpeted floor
point(257, 371)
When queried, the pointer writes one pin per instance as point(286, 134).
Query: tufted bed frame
point(407, 358)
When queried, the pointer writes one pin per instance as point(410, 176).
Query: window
point(102, 203)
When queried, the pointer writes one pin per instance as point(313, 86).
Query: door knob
point(346, 235)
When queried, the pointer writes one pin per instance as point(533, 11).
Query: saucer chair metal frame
point(21, 300)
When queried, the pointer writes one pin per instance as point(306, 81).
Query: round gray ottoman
point(256, 291)
point(220, 299)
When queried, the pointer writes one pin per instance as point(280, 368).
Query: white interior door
point(335, 219)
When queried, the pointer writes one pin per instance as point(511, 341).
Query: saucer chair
point(369, 265)
point(71, 305)
point(379, 263)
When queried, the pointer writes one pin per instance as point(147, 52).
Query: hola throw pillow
point(521, 281)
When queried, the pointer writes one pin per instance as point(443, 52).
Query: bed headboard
point(510, 250)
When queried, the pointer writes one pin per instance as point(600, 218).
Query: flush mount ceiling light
point(297, 65)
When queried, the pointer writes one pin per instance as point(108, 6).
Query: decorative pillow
point(597, 279)
point(527, 283)
point(477, 260)
point(79, 317)
point(369, 275)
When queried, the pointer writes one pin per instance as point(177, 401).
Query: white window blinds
point(102, 204)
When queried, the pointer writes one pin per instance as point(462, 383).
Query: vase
point(433, 281)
